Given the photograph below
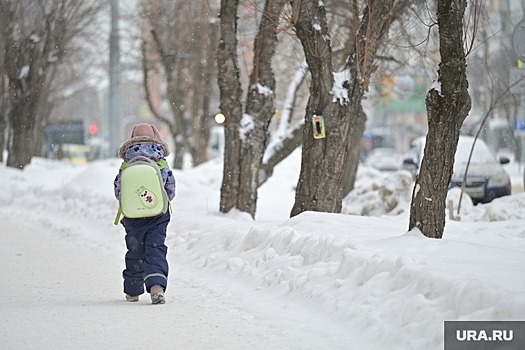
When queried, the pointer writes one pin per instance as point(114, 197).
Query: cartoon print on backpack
point(148, 198)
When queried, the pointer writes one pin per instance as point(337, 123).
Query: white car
point(384, 159)
point(486, 178)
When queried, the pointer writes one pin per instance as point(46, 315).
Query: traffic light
point(92, 128)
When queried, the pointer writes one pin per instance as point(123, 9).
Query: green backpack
point(142, 192)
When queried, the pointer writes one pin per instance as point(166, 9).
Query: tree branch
point(152, 108)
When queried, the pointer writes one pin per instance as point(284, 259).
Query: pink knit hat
point(144, 129)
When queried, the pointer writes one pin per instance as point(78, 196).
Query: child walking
point(145, 259)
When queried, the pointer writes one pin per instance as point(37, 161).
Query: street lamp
point(219, 118)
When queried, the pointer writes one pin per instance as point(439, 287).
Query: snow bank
point(341, 265)
point(377, 193)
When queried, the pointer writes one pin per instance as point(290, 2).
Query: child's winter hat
point(143, 133)
point(145, 129)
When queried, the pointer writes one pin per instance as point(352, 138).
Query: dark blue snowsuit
point(146, 262)
point(146, 256)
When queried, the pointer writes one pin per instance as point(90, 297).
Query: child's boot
point(157, 294)
point(132, 298)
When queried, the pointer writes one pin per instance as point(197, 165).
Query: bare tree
point(448, 103)
point(180, 35)
point(230, 102)
point(328, 162)
point(36, 37)
point(4, 105)
point(247, 132)
point(259, 111)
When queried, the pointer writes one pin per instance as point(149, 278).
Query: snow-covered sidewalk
point(58, 293)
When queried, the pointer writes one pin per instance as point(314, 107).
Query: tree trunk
point(176, 97)
point(3, 131)
point(370, 35)
point(3, 114)
point(259, 107)
point(356, 133)
point(204, 40)
point(23, 125)
point(447, 108)
point(329, 163)
point(25, 93)
point(230, 102)
point(321, 174)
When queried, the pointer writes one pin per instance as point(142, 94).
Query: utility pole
point(115, 95)
point(517, 81)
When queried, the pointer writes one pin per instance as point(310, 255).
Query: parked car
point(384, 159)
point(486, 178)
point(77, 154)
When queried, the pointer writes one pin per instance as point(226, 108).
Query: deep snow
point(315, 281)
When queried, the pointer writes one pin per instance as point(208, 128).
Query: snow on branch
point(339, 91)
point(247, 124)
point(264, 90)
point(24, 72)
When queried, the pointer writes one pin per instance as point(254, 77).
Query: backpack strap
point(119, 211)
point(163, 164)
point(117, 217)
point(123, 165)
